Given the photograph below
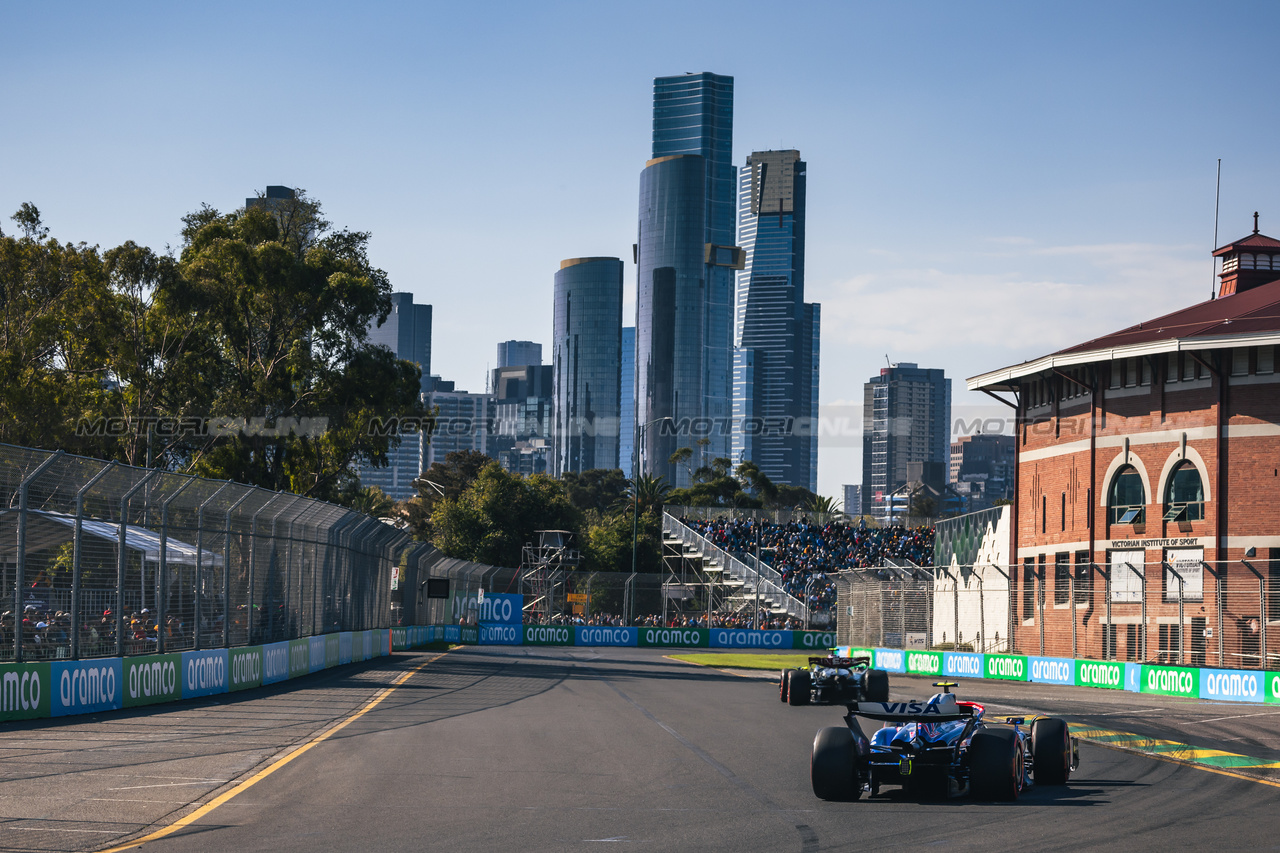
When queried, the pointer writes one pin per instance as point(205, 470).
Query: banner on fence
point(1171, 681)
point(1006, 667)
point(152, 678)
point(675, 637)
point(246, 668)
point(1105, 674)
point(86, 687)
point(25, 691)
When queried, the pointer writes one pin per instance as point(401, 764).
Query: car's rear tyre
point(784, 683)
point(798, 688)
point(876, 685)
point(996, 764)
point(831, 765)
point(1050, 751)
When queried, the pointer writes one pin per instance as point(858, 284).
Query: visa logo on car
point(916, 707)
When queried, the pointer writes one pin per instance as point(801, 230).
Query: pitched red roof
point(1253, 241)
point(1254, 311)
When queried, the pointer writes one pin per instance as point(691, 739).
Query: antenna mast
point(1217, 195)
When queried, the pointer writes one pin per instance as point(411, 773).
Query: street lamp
point(635, 498)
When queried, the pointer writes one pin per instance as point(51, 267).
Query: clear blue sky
point(988, 182)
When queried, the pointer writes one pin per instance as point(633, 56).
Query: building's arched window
point(1184, 496)
point(1126, 499)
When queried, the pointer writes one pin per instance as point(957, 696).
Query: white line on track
point(1238, 717)
point(172, 784)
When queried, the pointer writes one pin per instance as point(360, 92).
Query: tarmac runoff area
point(563, 749)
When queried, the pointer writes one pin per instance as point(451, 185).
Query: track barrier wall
point(30, 691)
point(1221, 685)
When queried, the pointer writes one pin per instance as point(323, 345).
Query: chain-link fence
point(1190, 613)
point(100, 559)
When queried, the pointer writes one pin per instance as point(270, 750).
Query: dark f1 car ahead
point(942, 748)
point(834, 681)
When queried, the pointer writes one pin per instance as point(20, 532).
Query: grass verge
point(736, 661)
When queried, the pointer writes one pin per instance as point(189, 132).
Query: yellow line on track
point(275, 765)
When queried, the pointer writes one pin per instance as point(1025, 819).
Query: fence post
point(122, 557)
point(1071, 608)
point(955, 612)
point(199, 590)
point(77, 556)
point(1040, 603)
point(162, 582)
point(1111, 646)
point(226, 570)
point(20, 568)
point(1217, 597)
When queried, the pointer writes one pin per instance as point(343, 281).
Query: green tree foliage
point(790, 497)
point(244, 358)
point(286, 310)
point(498, 513)
point(56, 313)
point(713, 485)
point(447, 479)
point(607, 545)
point(650, 493)
point(823, 505)
point(600, 489)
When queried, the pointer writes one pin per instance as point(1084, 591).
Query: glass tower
point(407, 333)
point(775, 330)
point(587, 359)
point(627, 401)
point(685, 258)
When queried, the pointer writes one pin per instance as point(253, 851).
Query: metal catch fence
point(102, 559)
point(1209, 614)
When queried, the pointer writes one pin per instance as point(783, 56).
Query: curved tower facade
point(685, 262)
point(670, 309)
point(587, 360)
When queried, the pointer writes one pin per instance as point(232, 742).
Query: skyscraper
point(685, 258)
point(519, 353)
point(587, 359)
point(776, 340)
point(906, 424)
point(407, 333)
point(627, 403)
point(523, 402)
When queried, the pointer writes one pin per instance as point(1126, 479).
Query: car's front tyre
point(1050, 751)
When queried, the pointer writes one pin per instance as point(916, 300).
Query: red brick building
point(1147, 513)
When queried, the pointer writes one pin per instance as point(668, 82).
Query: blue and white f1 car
point(940, 747)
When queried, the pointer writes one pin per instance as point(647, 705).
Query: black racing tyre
point(831, 765)
point(876, 685)
point(996, 764)
point(1050, 751)
point(798, 688)
point(784, 683)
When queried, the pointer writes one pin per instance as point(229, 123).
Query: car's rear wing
point(939, 709)
point(842, 663)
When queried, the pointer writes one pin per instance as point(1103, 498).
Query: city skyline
point(1012, 172)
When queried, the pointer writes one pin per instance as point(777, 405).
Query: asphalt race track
point(530, 749)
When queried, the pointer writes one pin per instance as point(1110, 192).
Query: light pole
point(635, 498)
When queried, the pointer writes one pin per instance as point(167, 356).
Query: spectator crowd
point(806, 554)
